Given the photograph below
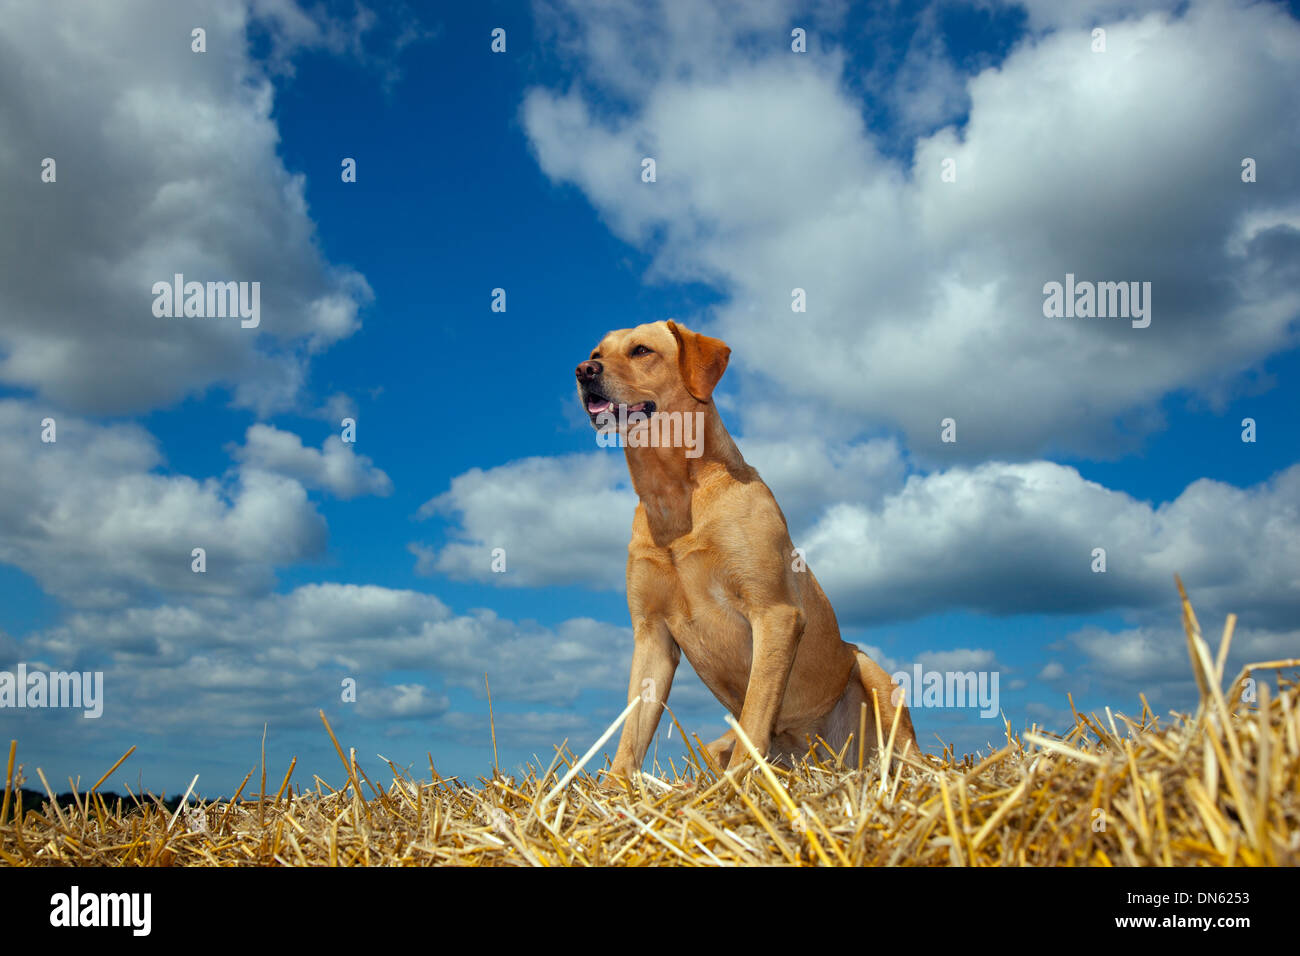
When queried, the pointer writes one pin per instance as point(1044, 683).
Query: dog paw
point(615, 782)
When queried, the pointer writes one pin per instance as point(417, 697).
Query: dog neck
point(665, 478)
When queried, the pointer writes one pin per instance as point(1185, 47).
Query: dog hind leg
point(721, 749)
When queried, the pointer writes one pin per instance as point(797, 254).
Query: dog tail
point(890, 696)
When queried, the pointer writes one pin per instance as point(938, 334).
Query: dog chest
point(708, 624)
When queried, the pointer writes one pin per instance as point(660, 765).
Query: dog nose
point(589, 370)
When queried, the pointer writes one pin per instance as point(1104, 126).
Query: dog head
point(660, 366)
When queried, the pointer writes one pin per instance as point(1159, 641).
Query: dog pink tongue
point(595, 408)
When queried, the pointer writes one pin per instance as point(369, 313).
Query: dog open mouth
point(597, 405)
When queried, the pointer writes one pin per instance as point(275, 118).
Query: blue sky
point(520, 171)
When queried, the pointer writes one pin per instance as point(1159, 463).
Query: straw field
point(1218, 787)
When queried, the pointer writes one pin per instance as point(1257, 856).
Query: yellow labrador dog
point(711, 570)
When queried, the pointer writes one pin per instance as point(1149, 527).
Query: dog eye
point(641, 350)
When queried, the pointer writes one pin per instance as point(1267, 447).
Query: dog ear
point(700, 359)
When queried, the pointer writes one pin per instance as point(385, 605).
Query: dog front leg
point(654, 662)
point(777, 632)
